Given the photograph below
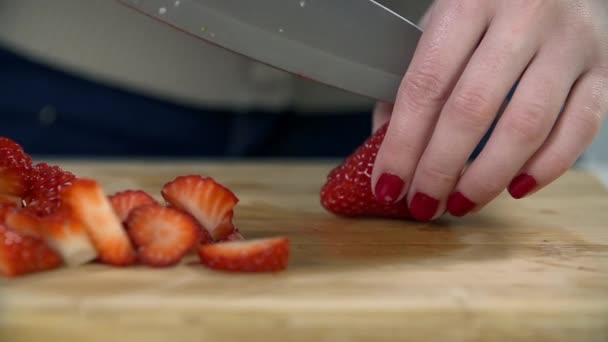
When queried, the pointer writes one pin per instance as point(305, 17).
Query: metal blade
point(356, 45)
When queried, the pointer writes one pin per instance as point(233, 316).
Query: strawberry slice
point(226, 227)
point(11, 201)
point(68, 237)
point(6, 143)
point(162, 235)
point(261, 255)
point(348, 190)
point(20, 254)
point(235, 236)
point(15, 169)
point(124, 202)
point(90, 205)
point(46, 182)
point(21, 222)
point(205, 199)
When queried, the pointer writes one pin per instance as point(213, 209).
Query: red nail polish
point(521, 185)
point(388, 188)
point(423, 207)
point(459, 205)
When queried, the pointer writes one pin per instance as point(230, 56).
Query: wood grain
point(534, 270)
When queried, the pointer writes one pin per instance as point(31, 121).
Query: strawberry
point(226, 227)
point(20, 221)
point(205, 199)
point(90, 205)
point(348, 190)
point(162, 235)
point(6, 143)
point(235, 236)
point(15, 169)
point(124, 202)
point(68, 237)
point(22, 254)
point(261, 255)
point(46, 182)
point(9, 200)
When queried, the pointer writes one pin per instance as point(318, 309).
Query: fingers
point(452, 33)
point(381, 115)
point(521, 131)
point(472, 107)
point(573, 133)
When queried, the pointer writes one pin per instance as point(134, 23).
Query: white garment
point(107, 42)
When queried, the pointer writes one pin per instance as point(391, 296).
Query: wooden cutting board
point(535, 270)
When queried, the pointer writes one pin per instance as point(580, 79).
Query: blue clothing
point(54, 113)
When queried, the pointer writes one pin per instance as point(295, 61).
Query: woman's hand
point(471, 54)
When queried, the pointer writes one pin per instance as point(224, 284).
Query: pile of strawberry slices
point(50, 218)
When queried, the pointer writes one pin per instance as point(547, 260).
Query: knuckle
point(471, 108)
point(487, 188)
point(423, 90)
point(528, 124)
point(559, 163)
point(587, 121)
point(438, 174)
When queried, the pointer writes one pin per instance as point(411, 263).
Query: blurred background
point(93, 78)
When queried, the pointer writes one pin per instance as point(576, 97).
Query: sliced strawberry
point(348, 190)
point(235, 236)
point(162, 235)
point(8, 200)
point(6, 143)
point(68, 237)
point(124, 202)
point(21, 222)
point(22, 254)
point(261, 255)
point(15, 169)
point(46, 183)
point(205, 199)
point(226, 227)
point(91, 206)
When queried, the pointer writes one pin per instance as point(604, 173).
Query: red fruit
point(348, 190)
point(6, 143)
point(226, 227)
point(15, 169)
point(21, 254)
point(205, 199)
point(11, 201)
point(68, 237)
point(262, 255)
point(124, 202)
point(46, 184)
point(162, 235)
point(90, 205)
point(20, 221)
point(235, 236)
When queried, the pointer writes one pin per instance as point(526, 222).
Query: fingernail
point(423, 207)
point(459, 205)
point(388, 188)
point(521, 185)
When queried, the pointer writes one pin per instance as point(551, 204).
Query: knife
point(359, 46)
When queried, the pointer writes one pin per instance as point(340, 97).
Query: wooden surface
point(528, 270)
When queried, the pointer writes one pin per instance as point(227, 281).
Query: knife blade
point(356, 45)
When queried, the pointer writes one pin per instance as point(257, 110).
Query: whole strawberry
point(348, 190)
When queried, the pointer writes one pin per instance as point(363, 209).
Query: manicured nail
point(459, 205)
point(388, 188)
point(423, 207)
point(521, 185)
